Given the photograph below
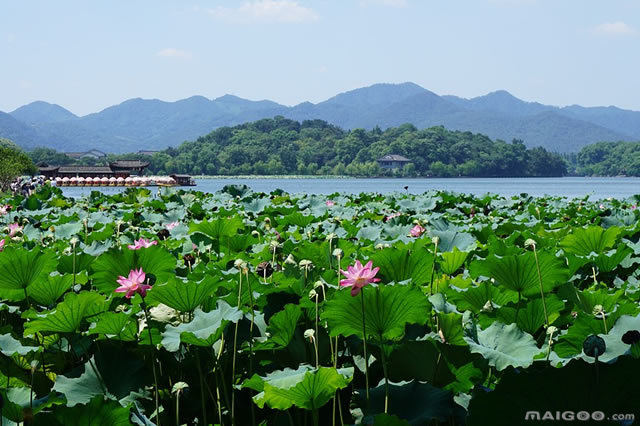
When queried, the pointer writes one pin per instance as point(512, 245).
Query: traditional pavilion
point(116, 169)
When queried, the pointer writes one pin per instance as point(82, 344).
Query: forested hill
point(280, 146)
point(609, 159)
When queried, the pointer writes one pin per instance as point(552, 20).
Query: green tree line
point(279, 146)
point(608, 159)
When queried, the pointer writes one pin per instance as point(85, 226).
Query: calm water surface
point(571, 187)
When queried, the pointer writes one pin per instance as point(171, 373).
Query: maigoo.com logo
point(583, 416)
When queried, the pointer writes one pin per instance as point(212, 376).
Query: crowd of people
point(26, 185)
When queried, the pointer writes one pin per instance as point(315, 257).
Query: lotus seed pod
point(530, 243)
point(318, 284)
point(379, 246)
point(309, 334)
point(435, 240)
point(332, 236)
point(594, 346)
point(264, 269)
point(337, 252)
point(305, 263)
point(631, 337)
point(73, 241)
point(551, 330)
point(179, 386)
point(255, 233)
point(290, 260)
point(312, 294)
point(598, 310)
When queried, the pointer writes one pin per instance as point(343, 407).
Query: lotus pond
point(245, 308)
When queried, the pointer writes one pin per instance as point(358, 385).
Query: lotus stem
point(317, 334)
point(253, 320)
point(593, 272)
point(178, 408)
point(364, 346)
point(235, 350)
point(433, 266)
point(518, 307)
point(386, 376)
point(201, 378)
point(544, 303)
point(153, 363)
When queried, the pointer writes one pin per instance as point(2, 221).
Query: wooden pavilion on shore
point(116, 169)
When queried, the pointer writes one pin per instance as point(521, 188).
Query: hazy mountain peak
point(377, 94)
point(42, 112)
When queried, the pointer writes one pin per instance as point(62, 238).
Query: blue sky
point(87, 55)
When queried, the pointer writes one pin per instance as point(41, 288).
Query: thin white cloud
point(171, 52)
point(391, 3)
point(616, 28)
point(270, 11)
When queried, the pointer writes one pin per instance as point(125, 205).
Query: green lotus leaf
point(475, 298)
point(80, 390)
point(183, 296)
point(203, 330)
point(450, 239)
point(450, 325)
point(282, 326)
point(531, 314)
point(369, 232)
point(20, 269)
point(519, 273)
point(119, 326)
point(82, 263)
point(389, 420)
point(403, 366)
point(400, 264)
point(10, 346)
point(451, 261)
point(68, 314)
point(68, 230)
point(607, 262)
point(48, 292)
point(19, 400)
point(218, 228)
point(309, 389)
point(109, 266)
point(504, 346)
point(388, 309)
point(594, 239)
point(98, 412)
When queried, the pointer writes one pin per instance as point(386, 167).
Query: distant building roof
point(85, 169)
point(127, 164)
point(394, 157)
point(91, 153)
point(46, 168)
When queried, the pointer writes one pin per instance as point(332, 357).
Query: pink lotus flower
point(416, 231)
point(4, 209)
point(330, 203)
point(141, 243)
point(633, 207)
point(133, 284)
point(359, 276)
point(172, 225)
point(14, 228)
point(2, 245)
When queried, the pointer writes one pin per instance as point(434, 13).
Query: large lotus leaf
point(183, 296)
point(67, 265)
point(531, 313)
point(418, 403)
point(573, 388)
point(67, 230)
point(20, 269)
point(218, 228)
point(615, 346)
point(68, 314)
point(448, 240)
point(47, 292)
point(19, 401)
point(519, 273)
point(403, 366)
point(96, 248)
point(109, 266)
point(10, 346)
point(80, 390)
point(402, 264)
point(450, 327)
point(203, 330)
point(98, 412)
point(119, 326)
point(451, 261)
point(594, 239)
point(607, 262)
point(282, 327)
point(309, 390)
point(475, 298)
point(387, 310)
point(504, 346)
point(369, 232)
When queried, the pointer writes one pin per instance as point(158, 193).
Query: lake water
point(571, 187)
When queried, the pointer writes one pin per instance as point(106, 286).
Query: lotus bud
point(337, 252)
point(530, 243)
point(309, 334)
point(305, 263)
point(290, 260)
point(598, 310)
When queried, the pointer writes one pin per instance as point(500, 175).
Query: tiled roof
point(85, 169)
point(129, 163)
point(393, 157)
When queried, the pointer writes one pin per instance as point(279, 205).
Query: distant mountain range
point(151, 124)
